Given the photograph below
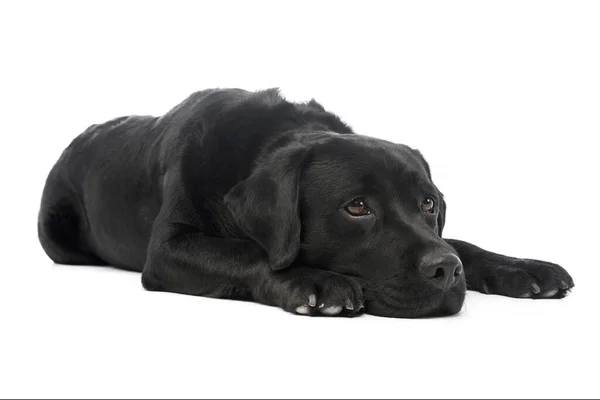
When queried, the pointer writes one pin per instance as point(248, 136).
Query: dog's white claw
point(349, 305)
point(485, 287)
point(304, 310)
point(312, 300)
point(550, 293)
point(333, 310)
point(535, 288)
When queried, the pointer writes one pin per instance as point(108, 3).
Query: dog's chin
point(430, 304)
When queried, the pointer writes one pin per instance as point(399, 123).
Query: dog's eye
point(357, 208)
point(428, 205)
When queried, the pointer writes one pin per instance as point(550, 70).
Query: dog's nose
point(442, 270)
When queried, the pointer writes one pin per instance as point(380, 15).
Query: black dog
point(243, 195)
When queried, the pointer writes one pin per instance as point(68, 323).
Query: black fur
point(236, 194)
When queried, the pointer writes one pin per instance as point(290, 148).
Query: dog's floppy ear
point(265, 205)
point(441, 219)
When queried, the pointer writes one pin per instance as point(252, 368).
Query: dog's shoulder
point(241, 113)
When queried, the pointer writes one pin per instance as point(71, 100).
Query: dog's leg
point(493, 273)
point(182, 260)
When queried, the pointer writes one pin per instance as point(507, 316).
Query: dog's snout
point(442, 270)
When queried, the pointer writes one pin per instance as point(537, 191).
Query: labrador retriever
point(244, 195)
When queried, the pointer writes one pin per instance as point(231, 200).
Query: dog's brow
point(413, 177)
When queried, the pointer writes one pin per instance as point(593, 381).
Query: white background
point(503, 98)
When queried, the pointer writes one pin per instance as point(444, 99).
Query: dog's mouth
point(389, 302)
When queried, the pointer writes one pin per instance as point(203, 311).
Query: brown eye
point(357, 208)
point(428, 205)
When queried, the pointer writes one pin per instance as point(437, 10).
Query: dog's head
point(359, 206)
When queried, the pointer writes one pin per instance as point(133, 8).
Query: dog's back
point(105, 191)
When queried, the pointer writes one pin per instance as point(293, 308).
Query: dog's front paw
point(308, 291)
point(523, 278)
